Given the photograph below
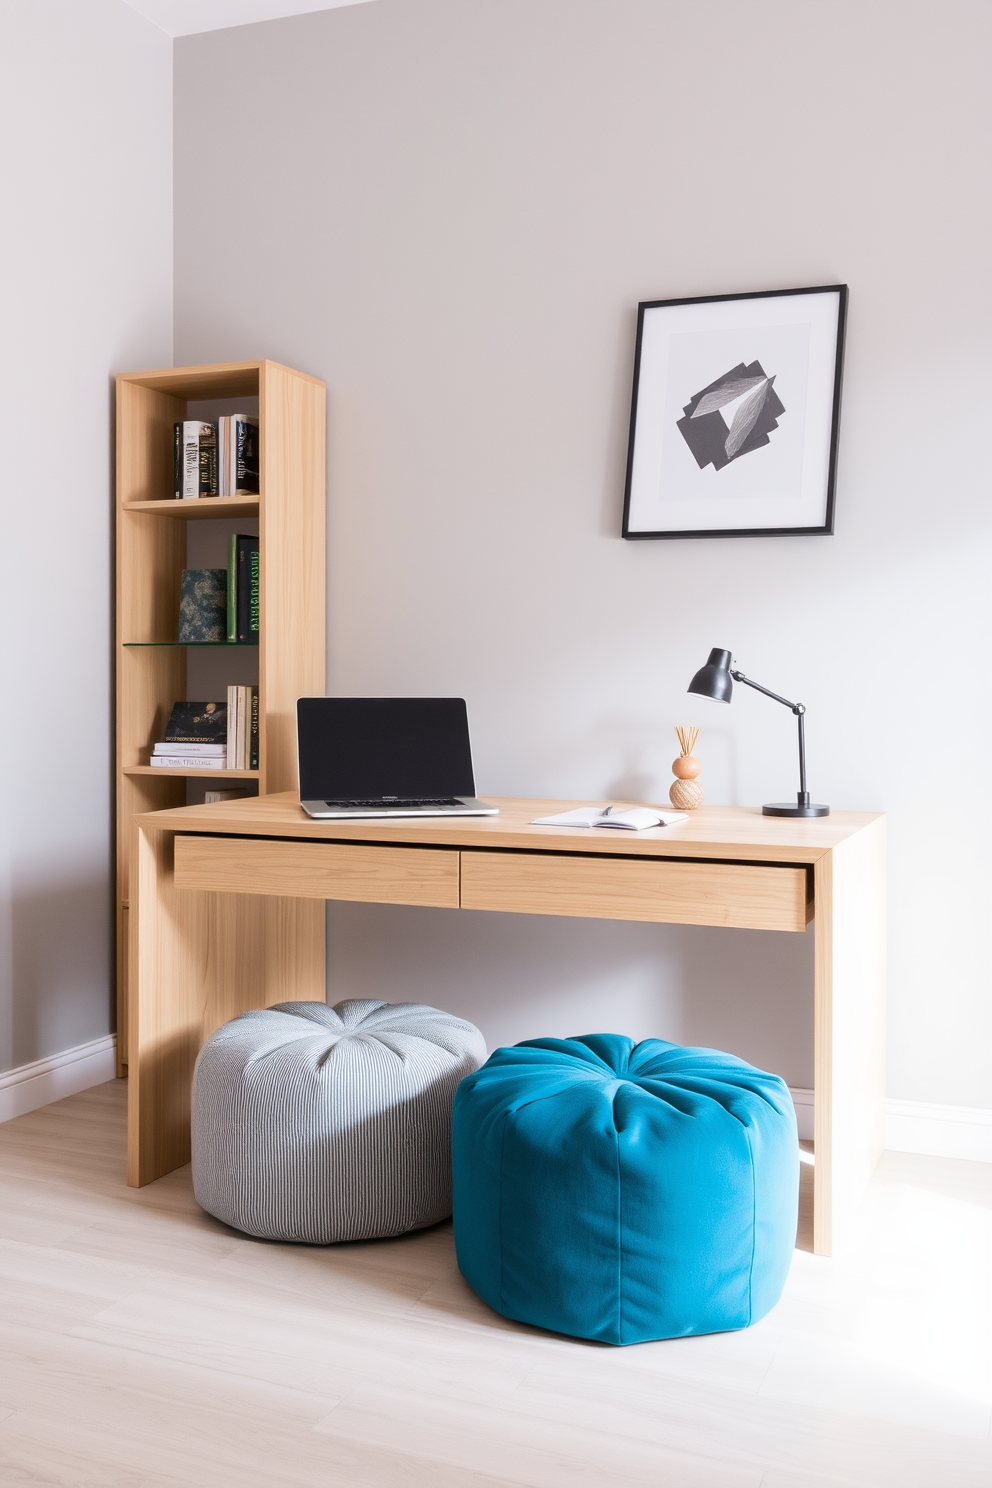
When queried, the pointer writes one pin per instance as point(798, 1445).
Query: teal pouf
point(624, 1192)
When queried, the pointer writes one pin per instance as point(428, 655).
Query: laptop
point(362, 757)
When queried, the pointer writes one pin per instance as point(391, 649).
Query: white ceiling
point(184, 17)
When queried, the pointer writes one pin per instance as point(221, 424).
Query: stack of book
point(216, 459)
point(212, 736)
point(196, 738)
point(242, 728)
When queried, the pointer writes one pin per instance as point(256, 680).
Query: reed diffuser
point(686, 793)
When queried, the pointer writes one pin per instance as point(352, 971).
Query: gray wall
point(449, 209)
point(85, 291)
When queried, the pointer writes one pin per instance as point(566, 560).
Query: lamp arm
point(799, 710)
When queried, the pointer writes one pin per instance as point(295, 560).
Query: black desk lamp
point(716, 680)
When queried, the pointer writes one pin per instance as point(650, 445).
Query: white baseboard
point(33, 1085)
point(939, 1131)
point(918, 1126)
point(803, 1102)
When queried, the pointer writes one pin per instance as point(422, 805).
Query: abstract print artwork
point(734, 416)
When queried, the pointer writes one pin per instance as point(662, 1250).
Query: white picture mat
point(686, 347)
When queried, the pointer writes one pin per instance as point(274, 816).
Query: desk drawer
point(318, 870)
point(746, 896)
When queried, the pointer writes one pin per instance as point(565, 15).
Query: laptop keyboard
point(393, 803)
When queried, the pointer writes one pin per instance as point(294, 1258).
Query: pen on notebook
point(606, 810)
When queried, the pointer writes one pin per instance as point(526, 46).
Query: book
point(183, 762)
point(232, 728)
point(243, 581)
point(241, 762)
point(191, 751)
point(203, 605)
point(242, 588)
point(247, 590)
point(195, 457)
point(254, 600)
point(215, 797)
point(177, 461)
point(627, 818)
point(253, 728)
point(197, 723)
point(232, 587)
point(242, 731)
point(237, 454)
point(244, 454)
point(223, 455)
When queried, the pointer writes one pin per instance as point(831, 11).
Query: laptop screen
point(366, 748)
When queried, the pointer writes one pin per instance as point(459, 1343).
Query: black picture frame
point(672, 469)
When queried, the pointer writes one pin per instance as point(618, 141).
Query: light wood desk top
point(731, 832)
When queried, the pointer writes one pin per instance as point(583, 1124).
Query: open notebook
point(628, 818)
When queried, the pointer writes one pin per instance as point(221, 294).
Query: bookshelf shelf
point(190, 645)
point(210, 508)
point(151, 555)
point(192, 772)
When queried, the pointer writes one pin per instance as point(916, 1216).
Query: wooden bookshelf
point(188, 771)
point(152, 669)
point(211, 508)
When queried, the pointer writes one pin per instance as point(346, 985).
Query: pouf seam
point(502, 1150)
point(263, 1054)
point(754, 1226)
point(616, 1137)
point(534, 1100)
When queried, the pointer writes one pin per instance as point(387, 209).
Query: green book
point(232, 587)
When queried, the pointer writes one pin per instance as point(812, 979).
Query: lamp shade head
point(714, 680)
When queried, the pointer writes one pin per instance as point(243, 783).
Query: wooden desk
point(227, 914)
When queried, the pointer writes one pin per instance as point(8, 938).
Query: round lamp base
point(785, 808)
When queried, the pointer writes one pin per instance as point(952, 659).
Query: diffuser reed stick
point(687, 738)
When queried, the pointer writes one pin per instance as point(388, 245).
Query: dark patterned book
point(203, 605)
point(197, 723)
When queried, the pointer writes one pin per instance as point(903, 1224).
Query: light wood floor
point(143, 1343)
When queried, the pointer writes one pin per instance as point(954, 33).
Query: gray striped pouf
point(317, 1124)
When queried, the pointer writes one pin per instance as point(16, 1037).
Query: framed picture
point(734, 415)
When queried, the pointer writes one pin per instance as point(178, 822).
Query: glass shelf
point(186, 645)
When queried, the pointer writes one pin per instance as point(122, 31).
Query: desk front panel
point(739, 895)
point(318, 870)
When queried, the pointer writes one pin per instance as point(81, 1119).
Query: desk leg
point(196, 960)
point(849, 1038)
